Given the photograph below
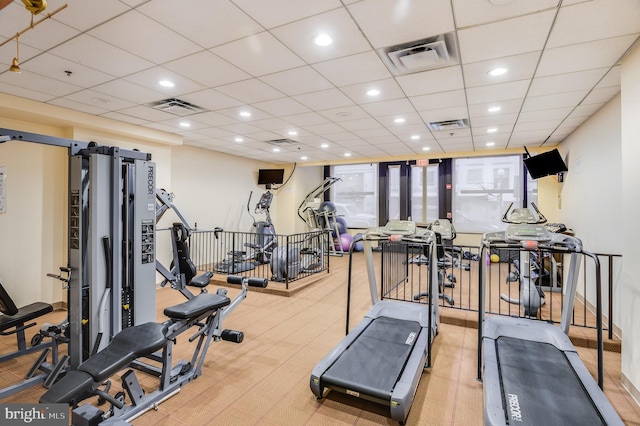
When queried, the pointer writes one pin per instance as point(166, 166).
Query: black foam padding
point(201, 280)
point(375, 360)
point(24, 314)
point(125, 347)
point(192, 308)
point(7, 306)
point(547, 388)
point(68, 388)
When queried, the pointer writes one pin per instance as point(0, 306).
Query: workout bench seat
point(128, 345)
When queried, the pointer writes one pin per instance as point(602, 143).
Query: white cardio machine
point(531, 371)
point(383, 357)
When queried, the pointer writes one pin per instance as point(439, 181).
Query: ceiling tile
point(325, 99)
point(273, 13)
point(560, 100)
point(434, 81)
point(12, 89)
point(249, 91)
point(207, 69)
point(83, 15)
point(259, 54)
point(299, 35)
point(211, 99)
point(580, 57)
point(354, 69)
point(97, 54)
point(283, 106)
point(443, 114)
point(601, 95)
point(306, 119)
point(297, 81)
point(473, 12)
point(450, 99)
point(485, 42)
point(57, 67)
point(387, 23)
point(151, 77)
point(520, 67)
point(379, 109)
point(208, 24)
point(388, 89)
point(144, 37)
point(571, 82)
point(572, 21)
point(497, 92)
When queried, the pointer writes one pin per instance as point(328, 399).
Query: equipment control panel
point(528, 232)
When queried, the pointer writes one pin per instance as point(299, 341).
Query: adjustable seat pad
point(128, 345)
point(193, 308)
point(24, 314)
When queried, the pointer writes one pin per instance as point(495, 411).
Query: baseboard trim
point(633, 391)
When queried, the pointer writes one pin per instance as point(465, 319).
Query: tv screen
point(545, 164)
point(270, 176)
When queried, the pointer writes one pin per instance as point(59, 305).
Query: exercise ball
point(327, 206)
point(344, 242)
point(358, 245)
point(494, 258)
point(341, 225)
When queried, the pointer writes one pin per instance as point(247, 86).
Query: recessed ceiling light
point(426, 148)
point(185, 124)
point(399, 120)
point(245, 114)
point(415, 137)
point(494, 109)
point(304, 157)
point(491, 143)
point(343, 114)
point(347, 154)
point(492, 130)
point(497, 71)
point(166, 83)
point(324, 145)
point(276, 149)
point(239, 139)
point(293, 133)
point(373, 92)
point(101, 100)
point(322, 40)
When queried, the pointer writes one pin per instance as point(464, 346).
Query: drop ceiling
point(227, 57)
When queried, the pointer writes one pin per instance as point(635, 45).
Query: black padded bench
point(128, 345)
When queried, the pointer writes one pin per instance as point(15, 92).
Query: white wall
point(630, 306)
point(590, 198)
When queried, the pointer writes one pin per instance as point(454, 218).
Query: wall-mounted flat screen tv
point(270, 176)
point(545, 164)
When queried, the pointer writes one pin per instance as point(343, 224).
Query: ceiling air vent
point(421, 55)
point(438, 126)
point(177, 107)
point(281, 142)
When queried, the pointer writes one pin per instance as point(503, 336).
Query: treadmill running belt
point(540, 387)
point(375, 360)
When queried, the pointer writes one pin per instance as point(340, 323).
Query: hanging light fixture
point(15, 64)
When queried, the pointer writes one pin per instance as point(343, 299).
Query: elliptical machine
point(266, 240)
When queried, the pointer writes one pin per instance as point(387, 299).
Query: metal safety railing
point(458, 271)
point(279, 258)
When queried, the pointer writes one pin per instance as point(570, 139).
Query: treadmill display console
point(525, 231)
point(399, 227)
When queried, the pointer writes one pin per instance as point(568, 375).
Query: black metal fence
point(458, 278)
point(279, 258)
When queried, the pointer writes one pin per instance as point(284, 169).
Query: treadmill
point(383, 357)
point(532, 372)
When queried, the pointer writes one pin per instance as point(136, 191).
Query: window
point(483, 189)
point(424, 194)
point(356, 196)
